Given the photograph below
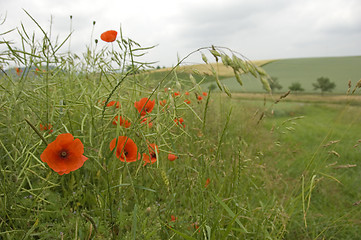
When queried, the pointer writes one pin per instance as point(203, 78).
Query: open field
point(340, 70)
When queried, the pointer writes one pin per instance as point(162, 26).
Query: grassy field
point(318, 143)
point(198, 166)
point(340, 70)
point(322, 145)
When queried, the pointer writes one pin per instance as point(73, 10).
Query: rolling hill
point(305, 71)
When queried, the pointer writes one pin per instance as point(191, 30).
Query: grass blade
point(185, 236)
point(229, 211)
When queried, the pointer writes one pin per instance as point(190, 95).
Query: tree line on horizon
point(322, 83)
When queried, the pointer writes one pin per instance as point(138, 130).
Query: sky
point(258, 29)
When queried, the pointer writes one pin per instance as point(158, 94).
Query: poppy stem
point(36, 131)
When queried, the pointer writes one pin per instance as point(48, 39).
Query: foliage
point(296, 87)
point(324, 84)
point(212, 87)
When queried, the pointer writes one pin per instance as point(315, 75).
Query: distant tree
point(296, 87)
point(324, 84)
point(274, 84)
point(212, 87)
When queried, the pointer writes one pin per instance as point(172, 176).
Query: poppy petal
point(144, 106)
point(126, 149)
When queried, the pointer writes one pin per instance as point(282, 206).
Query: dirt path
point(315, 98)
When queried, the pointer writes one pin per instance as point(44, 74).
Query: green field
point(305, 71)
point(313, 140)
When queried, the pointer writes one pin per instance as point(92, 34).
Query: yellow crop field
point(205, 69)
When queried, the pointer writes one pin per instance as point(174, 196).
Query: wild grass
point(245, 169)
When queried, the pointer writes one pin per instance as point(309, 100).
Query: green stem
point(36, 131)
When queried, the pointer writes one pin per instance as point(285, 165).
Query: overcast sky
point(259, 29)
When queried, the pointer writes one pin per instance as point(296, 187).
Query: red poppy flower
point(199, 98)
point(196, 226)
point(18, 71)
point(146, 120)
point(207, 182)
point(172, 157)
point(126, 149)
point(112, 103)
point(163, 102)
point(205, 94)
point(109, 36)
point(45, 128)
point(64, 154)
point(122, 122)
point(186, 93)
point(153, 156)
point(179, 121)
point(144, 106)
point(173, 218)
point(187, 101)
point(176, 94)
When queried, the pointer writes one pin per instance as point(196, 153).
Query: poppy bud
point(147, 210)
point(172, 157)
